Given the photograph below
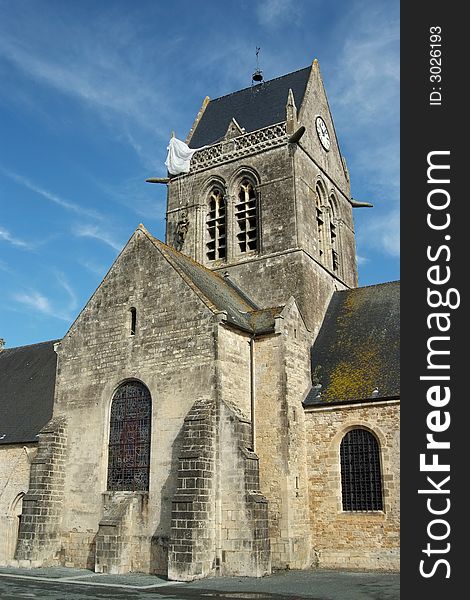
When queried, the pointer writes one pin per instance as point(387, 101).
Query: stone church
point(227, 402)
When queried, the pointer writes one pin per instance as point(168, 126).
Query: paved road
point(61, 584)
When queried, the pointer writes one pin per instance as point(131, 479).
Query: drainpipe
point(252, 391)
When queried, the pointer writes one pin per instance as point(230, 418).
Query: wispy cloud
point(383, 233)
point(66, 204)
point(4, 267)
point(364, 94)
point(93, 267)
point(11, 239)
point(96, 69)
point(144, 200)
point(274, 13)
point(92, 231)
point(65, 285)
point(368, 72)
point(37, 302)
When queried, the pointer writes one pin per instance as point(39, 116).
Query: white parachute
point(179, 157)
point(178, 163)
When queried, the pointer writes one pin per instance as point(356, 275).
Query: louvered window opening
point(320, 223)
point(334, 254)
point(361, 480)
point(216, 226)
point(247, 218)
point(129, 438)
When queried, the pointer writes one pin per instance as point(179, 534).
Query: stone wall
point(219, 516)
point(358, 540)
point(15, 465)
point(172, 353)
point(233, 368)
point(307, 175)
point(193, 527)
point(282, 378)
point(39, 532)
point(244, 547)
point(121, 532)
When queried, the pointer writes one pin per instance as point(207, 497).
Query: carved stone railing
point(243, 145)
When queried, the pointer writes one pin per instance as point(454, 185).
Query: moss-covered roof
point(356, 355)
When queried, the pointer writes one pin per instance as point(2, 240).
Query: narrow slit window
point(133, 320)
point(246, 214)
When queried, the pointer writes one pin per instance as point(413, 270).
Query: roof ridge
point(209, 272)
point(31, 345)
point(219, 295)
point(371, 285)
point(262, 83)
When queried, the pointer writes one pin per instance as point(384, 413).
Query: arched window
point(333, 235)
point(129, 438)
point(361, 480)
point(246, 217)
point(320, 218)
point(216, 225)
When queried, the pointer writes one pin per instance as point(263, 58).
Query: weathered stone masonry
point(42, 505)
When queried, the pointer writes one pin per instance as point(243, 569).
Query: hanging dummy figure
point(181, 231)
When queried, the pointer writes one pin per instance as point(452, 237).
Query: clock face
point(323, 134)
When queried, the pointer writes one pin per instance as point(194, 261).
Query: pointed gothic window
point(129, 438)
point(320, 223)
point(216, 225)
point(333, 237)
point(361, 479)
point(246, 214)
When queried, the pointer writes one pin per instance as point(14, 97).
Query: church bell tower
point(267, 200)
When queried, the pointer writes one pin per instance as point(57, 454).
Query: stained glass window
point(129, 438)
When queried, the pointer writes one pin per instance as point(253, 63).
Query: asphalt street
point(61, 584)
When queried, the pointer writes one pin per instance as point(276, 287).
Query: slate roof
point(219, 293)
point(253, 108)
point(27, 381)
point(358, 347)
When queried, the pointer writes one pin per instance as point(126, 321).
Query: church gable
point(142, 279)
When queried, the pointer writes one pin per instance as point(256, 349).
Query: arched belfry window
point(361, 479)
point(246, 215)
point(129, 438)
point(320, 218)
point(216, 225)
point(333, 235)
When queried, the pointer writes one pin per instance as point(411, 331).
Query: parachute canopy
point(179, 157)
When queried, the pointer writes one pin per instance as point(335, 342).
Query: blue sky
point(91, 90)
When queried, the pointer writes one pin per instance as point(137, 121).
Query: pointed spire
point(291, 113)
